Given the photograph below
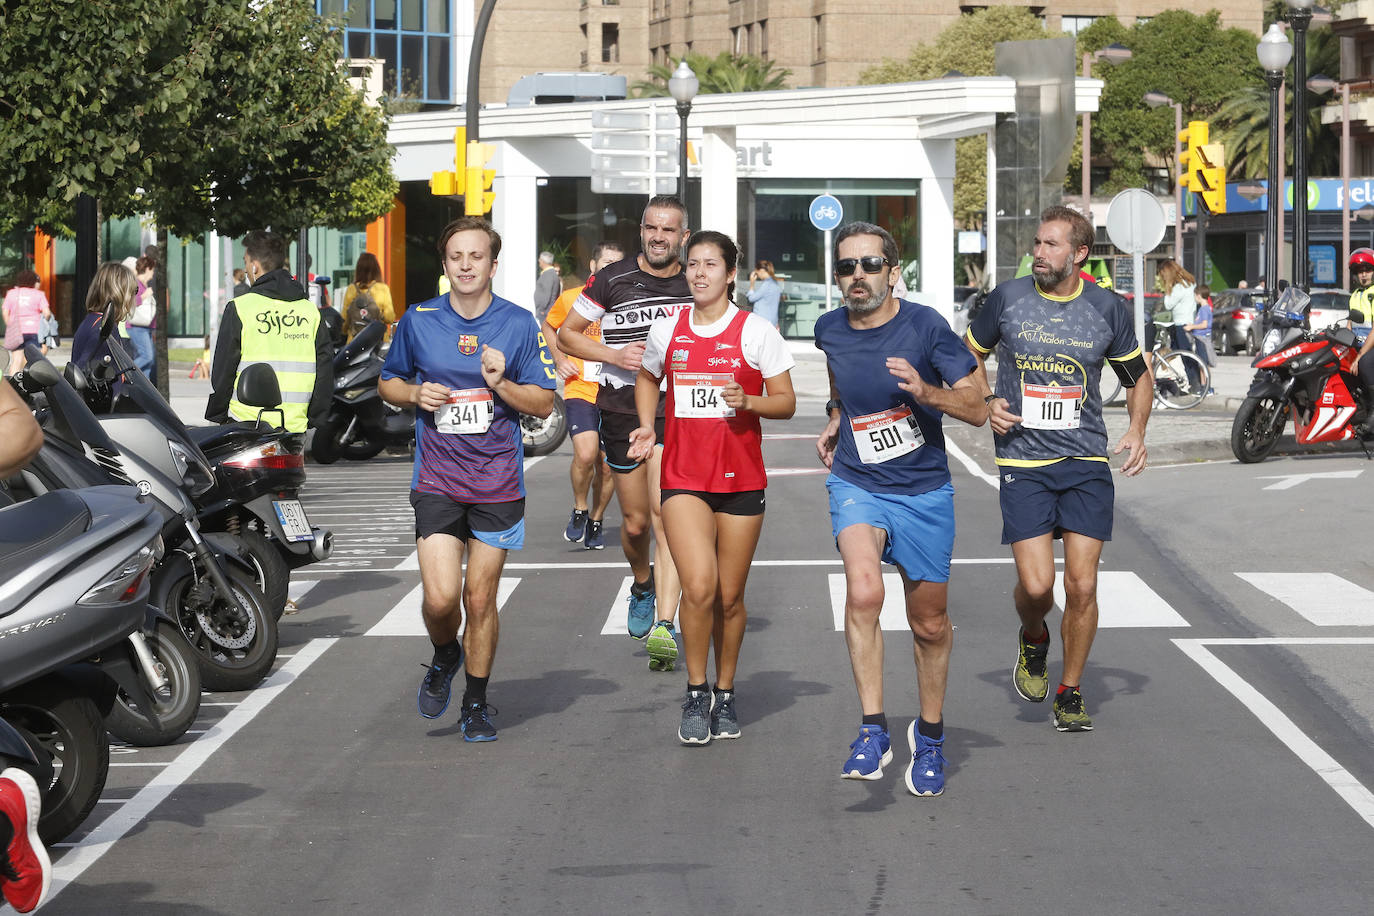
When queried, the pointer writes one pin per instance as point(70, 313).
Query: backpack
point(362, 309)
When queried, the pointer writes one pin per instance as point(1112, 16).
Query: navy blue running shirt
point(433, 343)
point(858, 361)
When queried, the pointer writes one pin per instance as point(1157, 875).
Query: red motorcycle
point(1306, 373)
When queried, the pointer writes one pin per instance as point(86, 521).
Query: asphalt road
point(1229, 770)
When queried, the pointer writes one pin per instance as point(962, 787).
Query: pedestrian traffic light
point(450, 184)
point(1189, 140)
point(478, 197)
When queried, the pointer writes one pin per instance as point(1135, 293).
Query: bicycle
point(1173, 382)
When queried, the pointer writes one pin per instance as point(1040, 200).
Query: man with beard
point(629, 297)
point(891, 499)
point(1053, 332)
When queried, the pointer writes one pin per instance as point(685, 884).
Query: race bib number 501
point(886, 435)
point(468, 411)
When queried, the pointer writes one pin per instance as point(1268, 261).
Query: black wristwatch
point(830, 405)
point(989, 399)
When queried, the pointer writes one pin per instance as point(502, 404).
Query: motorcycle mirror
point(257, 386)
point(107, 326)
point(40, 375)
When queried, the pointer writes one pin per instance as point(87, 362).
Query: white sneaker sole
point(876, 774)
point(910, 785)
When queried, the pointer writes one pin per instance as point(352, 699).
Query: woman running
point(719, 362)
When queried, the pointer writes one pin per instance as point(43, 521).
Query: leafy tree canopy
point(206, 113)
point(725, 72)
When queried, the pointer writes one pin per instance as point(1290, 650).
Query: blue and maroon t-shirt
point(479, 459)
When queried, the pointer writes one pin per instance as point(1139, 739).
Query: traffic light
point(1189, 140)
point(478, 198)
point(450, 184)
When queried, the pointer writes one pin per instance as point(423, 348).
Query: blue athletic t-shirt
point(858, 360)
point(433, 343)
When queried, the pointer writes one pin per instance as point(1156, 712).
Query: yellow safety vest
point(1362, 305)
point(282, 335)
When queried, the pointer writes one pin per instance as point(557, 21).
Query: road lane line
point(133, 812)
point(893, 614)
point(1308, 751)
point(405, 618)
point(1124, 600)
point(618, 619)
point(1324, 599)
point(969, 464)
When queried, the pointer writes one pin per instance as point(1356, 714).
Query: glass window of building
point(412, 39)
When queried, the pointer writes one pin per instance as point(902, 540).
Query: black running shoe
point(436, 688)
point(476, 722)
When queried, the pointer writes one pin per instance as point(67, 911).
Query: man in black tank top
point(628, 297)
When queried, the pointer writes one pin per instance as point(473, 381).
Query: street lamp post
point(1299, 17)
point(1114, 53)
point(682, 86)
point(1273, 51)
point(1154, 100)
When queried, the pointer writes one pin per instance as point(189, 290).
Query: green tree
point(966, 46)
point(725, 72)
point(204, 113)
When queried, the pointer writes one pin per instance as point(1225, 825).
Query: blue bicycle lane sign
point(825, 212)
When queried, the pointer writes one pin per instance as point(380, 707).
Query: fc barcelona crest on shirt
point(467, 344)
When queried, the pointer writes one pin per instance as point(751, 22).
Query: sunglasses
point(871, 264)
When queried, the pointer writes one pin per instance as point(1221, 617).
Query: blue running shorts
point(1069, 495)
point(583, 417)
point(920, 527)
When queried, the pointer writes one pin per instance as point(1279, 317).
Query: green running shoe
point(1069, 714)
point(662, 646)
point(1031, 677)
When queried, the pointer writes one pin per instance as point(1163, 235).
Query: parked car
point(1329, 306)
point(1234, 328)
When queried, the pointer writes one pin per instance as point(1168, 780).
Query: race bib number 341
point(468, 411)
point(886, 435)
point(1051, 406)
point(700, 395)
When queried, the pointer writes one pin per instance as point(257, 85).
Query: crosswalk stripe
point(1325, 599)
point(404, 619)
point(893, 614)
point(619, 617)
point(1124, 600)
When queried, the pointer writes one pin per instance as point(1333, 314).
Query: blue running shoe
point(577, 525)
point(476, 721)
point(436, 688)
point(641, 617)
point(594, 540)
point(872, 751)
point(925, 775)
point(696, 718)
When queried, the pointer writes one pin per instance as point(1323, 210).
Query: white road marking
point(1124, 600)
point(297, 589)
point(969, 464)
point(893, 614)
point(1323, 598)
point(796, 472)
point(405, 620)
point(1289, 481)
point(133, 812)
point(1309, 752)
point(619, 618)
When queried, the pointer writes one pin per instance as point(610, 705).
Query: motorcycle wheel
point(270, 571)
point(329, 443)
point(176, 661)
point(1256, 429)
point(235, 645)
point(64, 727)
point(322, 444)
point(542, 436)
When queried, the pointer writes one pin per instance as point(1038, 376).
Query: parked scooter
point(204, 581)
point(1305, 373)
point(360, 423)
point(70, 612)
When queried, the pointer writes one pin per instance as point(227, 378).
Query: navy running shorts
point(583, 417)
point(501, 525)
point(1070, 495)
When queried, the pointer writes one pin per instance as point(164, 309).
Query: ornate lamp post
point(1274, 52)
point(1154, 100)
point(682, 86)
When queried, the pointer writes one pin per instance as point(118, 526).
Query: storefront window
point(572, 220)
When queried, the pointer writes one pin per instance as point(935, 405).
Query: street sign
point(825, 212)
point(634, 152)
point(1135, 224)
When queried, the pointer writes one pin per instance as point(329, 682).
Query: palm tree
point(725, 72)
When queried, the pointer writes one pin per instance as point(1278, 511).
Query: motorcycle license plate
point(294, 523)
